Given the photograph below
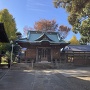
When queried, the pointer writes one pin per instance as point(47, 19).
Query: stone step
point(43, 65)
point(40, 65)
point(44, 62)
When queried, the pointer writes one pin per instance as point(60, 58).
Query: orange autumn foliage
point(45, 25)
point(63, 31)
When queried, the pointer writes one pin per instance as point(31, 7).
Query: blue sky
point(27, 12)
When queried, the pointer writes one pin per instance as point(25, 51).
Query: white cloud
point(34, 9)
point(40, 4)
point(34, 5)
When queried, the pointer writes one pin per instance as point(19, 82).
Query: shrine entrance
point(44, 54)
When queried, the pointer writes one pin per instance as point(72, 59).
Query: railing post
point(32, 63)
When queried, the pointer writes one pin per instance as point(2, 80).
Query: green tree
point(79, 15)
point(84, 40)
point(74, 41)
point(19, 35)
point(9, 25)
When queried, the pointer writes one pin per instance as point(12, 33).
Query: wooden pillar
point(51, 54)
point(36, 54)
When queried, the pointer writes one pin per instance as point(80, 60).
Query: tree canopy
point(9, 23)
point(79, 15)
point(49, 25)
point(63, 31)
point(19, 35)
point(26, 29)
point(46, 25)
point(74, 41)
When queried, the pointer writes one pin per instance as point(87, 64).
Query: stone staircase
point(43, 65)
point(40, 65)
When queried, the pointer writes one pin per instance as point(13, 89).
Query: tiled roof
point(34, 35)
point(39, 36)
point(77, 48)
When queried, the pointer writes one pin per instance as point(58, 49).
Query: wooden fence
point(76, 57)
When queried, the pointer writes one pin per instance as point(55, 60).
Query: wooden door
point(44, 54)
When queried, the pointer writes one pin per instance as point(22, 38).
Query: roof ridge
point(44, 34)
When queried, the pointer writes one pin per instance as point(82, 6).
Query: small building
point(77, 54)
point(42, 46)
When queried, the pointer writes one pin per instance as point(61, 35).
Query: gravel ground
point(24, 78)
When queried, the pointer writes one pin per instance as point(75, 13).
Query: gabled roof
point(38, 37)
point(77, 48)
point(43, 37)
point(3, 35)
